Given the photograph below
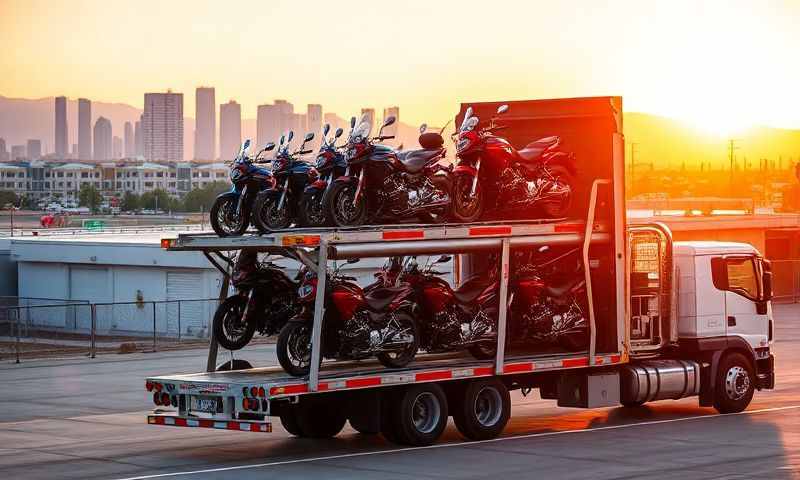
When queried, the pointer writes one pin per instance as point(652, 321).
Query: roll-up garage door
point(190, 315)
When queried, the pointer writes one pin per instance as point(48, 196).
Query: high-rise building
point(314, 118)
point(162, 126)
point(3, 151)
point(205, 133)
point(116, 148)
point(34, 149)
point(299, 124)
point(370, 113)
point(391, 112)
point(230, 129)
point(61, 128)
point(285, 112)
point(268, 125)
point(84, 129)
point(102, 139)
point(130, 141)
point(138, 138)
point(18, 153)
point(335, 121)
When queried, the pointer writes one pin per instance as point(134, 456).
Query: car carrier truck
point(666, 320)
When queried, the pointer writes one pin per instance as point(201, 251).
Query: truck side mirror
point(767, 293)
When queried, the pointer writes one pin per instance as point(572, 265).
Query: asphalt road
point(85, 419)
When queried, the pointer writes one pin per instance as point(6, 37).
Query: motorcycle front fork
point(241, 201)
point(248, 305)
point(475, 180)
point(358, 187)
point(283, 194)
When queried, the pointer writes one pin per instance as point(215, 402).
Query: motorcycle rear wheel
point(224, 220)
point(341, 208)
point(466, 208)
point(267, 217)
point(559, 208)
point(403, 357)
point(312, 211)
point(228, 328)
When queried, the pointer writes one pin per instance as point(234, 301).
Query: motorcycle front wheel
point(230, 329)
point(402, 357)
point(267, 217)
point(560, 191)
point(294, 348)
point(224, 220)
point(341, 206)
point(466, 207)
point(312, 210)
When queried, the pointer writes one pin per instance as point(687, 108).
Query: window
point(206, 175)
point(737, 275)
point(160, 174)
point(84, 174)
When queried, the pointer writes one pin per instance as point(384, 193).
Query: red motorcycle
point(456, 319)
point(358, 323)
point(493, 178)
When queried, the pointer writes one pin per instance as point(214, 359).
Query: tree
point(204, 197)
point(130, 202)
point(157, 199)
point(88, 196)
point(7, 197)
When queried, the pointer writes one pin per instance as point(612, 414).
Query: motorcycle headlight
point(235, 173)
point(463, 144)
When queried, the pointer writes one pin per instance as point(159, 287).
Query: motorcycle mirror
point(246, 145)
point(338, 133)
point(443, 259)
point(352, 122)
point(269, 146)
point(282, 139)
point(290, 137)
point(326, 129)
point(423, 127)
point(389, 120)
point(353, 260)
point(309, 136)
point(502, 109)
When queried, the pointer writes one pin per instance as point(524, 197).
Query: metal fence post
point(17, 345)
point(93, 333)
point(179, 321)
point(154, 326)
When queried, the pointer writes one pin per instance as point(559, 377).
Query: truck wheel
point(363, 426)
point(420, 415)
point(289, 421)
point(320, 419)
point(484, 409)
point(734, 384)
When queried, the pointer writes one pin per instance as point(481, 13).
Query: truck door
point(742, 292)
point(650, 287)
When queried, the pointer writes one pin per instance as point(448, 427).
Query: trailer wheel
point(363, 426)
point(420, 415)
point(484, 409)
point(289, 421)
point(734, 384)
point(320, 419)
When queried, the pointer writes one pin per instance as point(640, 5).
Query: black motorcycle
point(381, 184)
point(266, 299)
point(230, 214)
point(276, 208)
point(331, 164)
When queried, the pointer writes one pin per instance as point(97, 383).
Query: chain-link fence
point(786, 280)
point(37, 328)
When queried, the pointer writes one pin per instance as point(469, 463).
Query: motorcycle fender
point(315, 187)
point(230, 194)
point(348, 179)
point(271, 193)
point(465, 170)
point(567, 160)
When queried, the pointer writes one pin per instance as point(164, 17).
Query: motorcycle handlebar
point(303, 152)
point(384, 137)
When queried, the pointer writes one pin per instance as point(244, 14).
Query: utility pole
point(633, 165)
point(731, 148)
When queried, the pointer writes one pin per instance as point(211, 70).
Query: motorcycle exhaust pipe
point(475, 180)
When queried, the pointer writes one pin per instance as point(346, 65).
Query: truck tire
point(362, 425)
point(289, 421)
point(734, 385)
point(320, 419)
point(483, 410)
point(420, 414)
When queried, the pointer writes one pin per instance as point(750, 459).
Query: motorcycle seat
point(469, 291)
point(534, 150)
point(558, 291)
point(380, 298)
point(415, 160)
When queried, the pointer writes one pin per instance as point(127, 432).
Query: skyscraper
point(130, 142)
point(84, 129)
point(102, 139)
point(230, 129)
point(162, 125)
point(3, 151)
point(268, 124)
point(138, 138)
point(62, 148)
point(285, 112)
point(392, 129)
point(116, 148)
point(205, 133)
point(34, 149)
point(370, 113)
point(314, 123)
point(18, 153)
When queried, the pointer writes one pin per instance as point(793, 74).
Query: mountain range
point(660, 141)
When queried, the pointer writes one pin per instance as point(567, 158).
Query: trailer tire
point(483, 410)
point(735, 384)
point(320, 419)
point(363, 426)
point(420, 415)
point(289, 421)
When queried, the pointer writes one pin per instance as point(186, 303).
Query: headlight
point(235, 173)
point(462, 144)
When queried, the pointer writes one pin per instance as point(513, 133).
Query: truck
point(665, 319)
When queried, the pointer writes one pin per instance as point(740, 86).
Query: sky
point(719, 65)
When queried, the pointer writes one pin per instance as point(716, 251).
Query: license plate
point(205, 404)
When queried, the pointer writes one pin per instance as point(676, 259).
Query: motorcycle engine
point(404, 191)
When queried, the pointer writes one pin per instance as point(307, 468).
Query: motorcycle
point(230, 214)
point(456, 319)
point(276, 208)
point(330, 165)
point(548, 302)
point(380, 183)
point(493, 178)
point(356, 325)
point(265, 299)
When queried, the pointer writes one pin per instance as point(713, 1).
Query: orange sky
point(720, 65)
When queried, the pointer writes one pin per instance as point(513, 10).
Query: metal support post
point(16, 324)
point(154, 326)
point(211, 363)
point(503, 307)
point(179, 321)
point(587, 240)
point(319, 312)
point(92, 334)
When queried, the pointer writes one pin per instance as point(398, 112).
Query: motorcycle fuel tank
point(347, 298)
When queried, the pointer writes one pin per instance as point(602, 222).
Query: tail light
point(165, 399)
point(261, 392)
point(149, 386)
point(157, 387)
point(253, 391)
point(157, 398)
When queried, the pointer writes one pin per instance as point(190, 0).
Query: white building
point(66, 180)
point(212, 172)
point(162, 125)
point(13, 177)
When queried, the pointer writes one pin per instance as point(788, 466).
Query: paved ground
point(84, 419)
